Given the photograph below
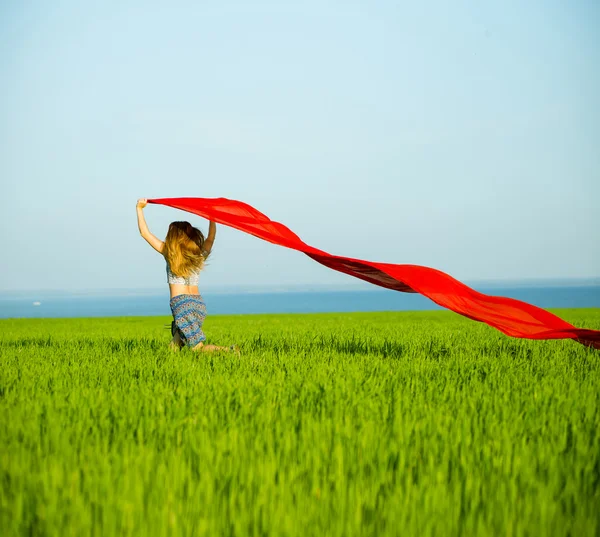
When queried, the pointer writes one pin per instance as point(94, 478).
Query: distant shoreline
point(439, 311)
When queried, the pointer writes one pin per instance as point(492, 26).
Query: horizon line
point(303, 287)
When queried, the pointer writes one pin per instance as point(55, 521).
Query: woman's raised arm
point(208, 242)
point(153, 241)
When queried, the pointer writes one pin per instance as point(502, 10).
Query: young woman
point(185, 249)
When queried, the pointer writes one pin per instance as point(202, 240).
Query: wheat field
point(374, 424)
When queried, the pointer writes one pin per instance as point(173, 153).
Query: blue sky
point(458, 135)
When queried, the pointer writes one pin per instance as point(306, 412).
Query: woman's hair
point(183, 248)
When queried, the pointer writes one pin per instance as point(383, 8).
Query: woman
point(185, 249)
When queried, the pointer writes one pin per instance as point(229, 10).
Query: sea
point(135, 303)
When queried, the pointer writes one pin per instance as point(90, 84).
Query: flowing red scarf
point(512, 317)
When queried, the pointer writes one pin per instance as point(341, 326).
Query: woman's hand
point(141, 203)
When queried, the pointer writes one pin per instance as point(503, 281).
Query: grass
point(329, 424)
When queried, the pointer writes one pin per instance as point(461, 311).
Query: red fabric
point(510, 316)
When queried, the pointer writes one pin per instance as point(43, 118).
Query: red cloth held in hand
point(512, 317)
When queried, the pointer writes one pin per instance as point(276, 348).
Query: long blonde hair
point(183, 249)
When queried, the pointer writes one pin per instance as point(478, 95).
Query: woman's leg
point(189, 314)
point(176, 342)
point(201, 347)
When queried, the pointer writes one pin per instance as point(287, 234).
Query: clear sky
point(459, 135)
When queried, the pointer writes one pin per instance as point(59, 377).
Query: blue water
point(285, 302)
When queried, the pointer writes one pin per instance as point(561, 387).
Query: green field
point(413, 424)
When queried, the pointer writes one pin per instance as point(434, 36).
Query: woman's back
point(180, 285)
